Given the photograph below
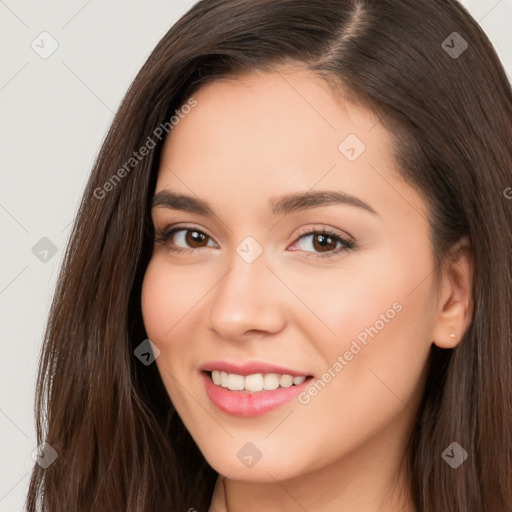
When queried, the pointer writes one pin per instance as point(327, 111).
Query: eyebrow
point(278, 205)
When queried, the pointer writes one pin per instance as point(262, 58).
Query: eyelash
point(163, 237)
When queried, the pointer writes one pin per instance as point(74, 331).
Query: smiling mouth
point(256, 382)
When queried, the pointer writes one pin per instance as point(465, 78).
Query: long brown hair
point(447, 102)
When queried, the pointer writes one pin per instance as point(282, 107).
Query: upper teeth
point(254, 382)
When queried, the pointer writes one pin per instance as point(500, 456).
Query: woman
point(289, 282)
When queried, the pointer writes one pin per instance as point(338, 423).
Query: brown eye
point(322, 242)
point(195, 238)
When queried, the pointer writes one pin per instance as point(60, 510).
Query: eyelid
point(301, 231)
point(315, 229)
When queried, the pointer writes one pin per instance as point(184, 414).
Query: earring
point(452, 335)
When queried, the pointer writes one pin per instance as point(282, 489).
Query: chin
point(231, 464)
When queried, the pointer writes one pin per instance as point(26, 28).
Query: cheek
point(375, 366)
point(387, 297)
point(350, 304)
point(156, 303)
point(379, 319)
point(168, 296)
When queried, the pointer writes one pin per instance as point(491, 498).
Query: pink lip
point(241, 403)
point(250, 368)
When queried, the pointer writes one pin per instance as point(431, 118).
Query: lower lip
point(239, 403)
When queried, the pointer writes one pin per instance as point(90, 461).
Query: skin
point(257, 137)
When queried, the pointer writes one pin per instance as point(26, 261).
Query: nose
point(247, 301)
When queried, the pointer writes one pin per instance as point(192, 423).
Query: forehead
point(271, 133)
point(289, 102)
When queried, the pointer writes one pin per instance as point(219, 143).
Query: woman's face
point(257, 281)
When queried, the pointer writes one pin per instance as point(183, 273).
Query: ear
point(455, 306)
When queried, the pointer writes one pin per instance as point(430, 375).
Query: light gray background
point(54, 115)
